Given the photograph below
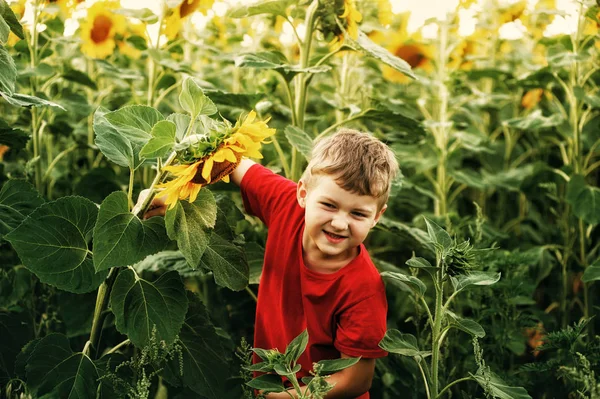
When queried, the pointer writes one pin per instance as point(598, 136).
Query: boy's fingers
point(158, 211)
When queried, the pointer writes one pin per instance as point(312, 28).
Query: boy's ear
point(301, 194)
point(379, 215)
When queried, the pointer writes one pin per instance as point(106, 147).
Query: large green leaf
point(190, 224)
point(406, 282)
point(14, 138)
point(584, 199)
point(438, 235)
point(75, 76)
point(403, 344)
point(267, 383)
point(422, 263)
point(55, 371)
point(141, 306)
point(15, 284)
point(18, 198)
point(244, 101)
point(276, 61)
point(296, 347)
point(121, 238)
point(53, 240)
point(11, 19)
point(466, 325)
point(374, 50)
point(592, 272)
point(300, 140)
point(162, 141)
point(122, 134)
point(405, 230)
point(205, 369)
point(272, 7)
point(331, 366)
point(25, 100)
point(495, 386)
point(8, 73)
point(194, 101)
point(225, 259)
point(463, 281)
point(535, 120)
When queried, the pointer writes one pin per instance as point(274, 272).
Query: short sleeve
point(266, 193)
point(362, 326)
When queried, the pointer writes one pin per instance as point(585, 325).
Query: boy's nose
point(339, 223)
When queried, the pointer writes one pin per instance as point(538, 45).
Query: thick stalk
point(99, 313)
point(36, 138)
point(435, 335)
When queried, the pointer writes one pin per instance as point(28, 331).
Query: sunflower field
point(489, 248)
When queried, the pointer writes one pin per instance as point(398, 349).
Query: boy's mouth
point(333, 237)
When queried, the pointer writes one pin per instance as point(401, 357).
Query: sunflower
point(532, 98)
point(513, 12)
point(127, 48)
point(352, 17)
point(99, 28)
point(173, 21)
point(216, 161)
point(384, 12)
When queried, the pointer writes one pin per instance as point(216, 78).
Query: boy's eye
point(327, 205)
point(358, 214)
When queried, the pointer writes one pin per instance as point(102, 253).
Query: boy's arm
point(158, 207)
point(349, 383)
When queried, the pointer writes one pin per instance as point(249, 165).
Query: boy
point(317, 274)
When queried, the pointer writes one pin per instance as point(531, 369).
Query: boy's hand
point(157, 207)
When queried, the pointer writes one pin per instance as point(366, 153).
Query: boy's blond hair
point(359, 162)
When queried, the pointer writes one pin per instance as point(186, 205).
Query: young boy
point(317, 274)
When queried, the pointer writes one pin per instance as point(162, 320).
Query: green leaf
point(18, 198)
point(499, 389)
point(463, 281)
point(272, 7)
point(402, 344)
point(592, 272)
point(122, 134)
point(121, 238)
point(535, 120)
point(54, 370)
point(4, 28)
point(277, 61)
point(255, 255)
point(405, 230)
point(190, 224)
point(194, 101)
point(406, 282)
point(141, 306)
point(205, 369)
point(77, 312)
point(225, 259)
point(11, 19)
point(584, 199)
point(438, 235)
point(8, 73)
point(25, 100)
point(75, 76)
point(374, 50)
point(144, 14)
point(300, 140)
point(15, 284)
point(421, 263)
point(295, 348)
point(14, 138)
point(267, 383)
point(162, 141)
point(334, 365)
point(466, 325)
point(97, 184)
point(181, 122)
point(244, 101)
point(406, 129)
point(52, 242)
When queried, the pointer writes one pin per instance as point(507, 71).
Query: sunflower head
point(337, 16)
point(99, 28)
point(173, 21)
point(211, 156)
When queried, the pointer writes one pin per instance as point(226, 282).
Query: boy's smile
point(336, 222)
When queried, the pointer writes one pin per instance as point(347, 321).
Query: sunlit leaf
point(463, 281)
point(402, 344)
point(335, 365)
point(53, 240)
point(535, 120)
point(276, 61)
point(243, 101)
point(466, 325)
point(592, 272)
point(438, 235)
point(584, 199)
point(372, 49)
point(162, 141)
point(25, 100)
point(499, 389)
point(11, 19)
point(141, 306)
point(406, 282)
point(296, 347)
point(190, 224)
point(143, 14)
point(194, 101)
point(121, 238)
point(273, 7)
point(300, 140)
point(8, 73)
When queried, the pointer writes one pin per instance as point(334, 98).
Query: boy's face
point(336, 220)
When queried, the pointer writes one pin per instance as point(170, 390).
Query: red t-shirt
point(343, 311)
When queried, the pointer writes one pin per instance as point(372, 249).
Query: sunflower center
point(411, 54)
point(188, 7)
point(101, 29)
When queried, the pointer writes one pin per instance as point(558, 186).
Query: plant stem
point(99, 315)
point(451, 384)
point(57, 159)
point(119, 346)
point(424, 379)
point(435, 333)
